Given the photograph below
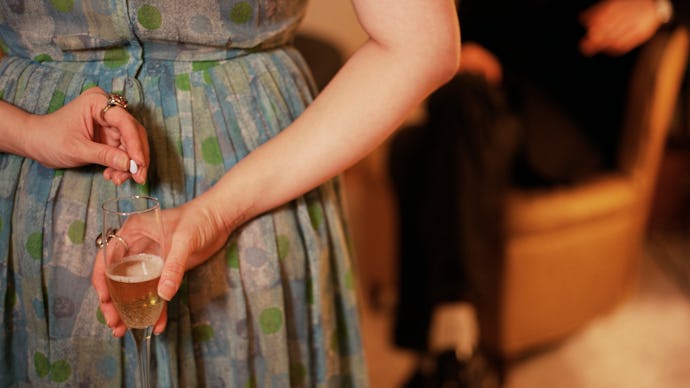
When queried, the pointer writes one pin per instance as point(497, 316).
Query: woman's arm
point(615, 27)
point(413, 48)
point(77, 134)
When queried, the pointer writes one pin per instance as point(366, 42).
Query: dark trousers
point(450, 176)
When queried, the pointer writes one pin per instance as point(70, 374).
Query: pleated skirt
point(275, 307)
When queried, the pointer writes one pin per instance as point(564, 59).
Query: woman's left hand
point(80, 133)
point(193, 234)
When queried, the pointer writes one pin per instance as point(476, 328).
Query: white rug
point(645, 343)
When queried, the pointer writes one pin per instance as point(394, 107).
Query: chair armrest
point(654, 87)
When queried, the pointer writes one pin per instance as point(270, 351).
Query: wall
point(334, 20)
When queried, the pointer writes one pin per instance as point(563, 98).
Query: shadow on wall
point(323, 58)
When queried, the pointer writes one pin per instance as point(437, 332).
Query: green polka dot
point(241, 12)
point(335, 341)
point(297, 374)
point(251, 382)
point(203, 65)
point(349, 280)
point(283, 246)
point(88, 85)
point(76, 232)
point(207, 77)
point(316, 215)
point(143, 188)
point(63, 5)
point(60, 371)
point(232, 256)
point(210, 149)
point(340, 336)
point(116, 57)
point(34, 245)
point(58, 173)
point(271, 320)
point(43, 58)
point(202, 333)
point(182, 82)
point(310, 291)
point(57, 101)
point(99, 316)
point(149, 17)
point(41, 364)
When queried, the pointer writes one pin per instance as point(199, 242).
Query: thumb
point(107, 156)
point(173, 271)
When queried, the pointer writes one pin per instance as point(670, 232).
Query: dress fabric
point(210, 81)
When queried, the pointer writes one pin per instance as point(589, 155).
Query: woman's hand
point(194, 232)
point(615, 27)
point(192, 235)
point(79, 134)
point(474, 58)
point(112, 318)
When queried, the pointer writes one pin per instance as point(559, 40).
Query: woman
point(243, 160)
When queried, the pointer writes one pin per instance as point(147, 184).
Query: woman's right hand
point(194, 232)
point(78, 134)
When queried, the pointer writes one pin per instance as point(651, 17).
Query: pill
point(133, 168)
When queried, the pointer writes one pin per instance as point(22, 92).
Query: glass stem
point(142, 337)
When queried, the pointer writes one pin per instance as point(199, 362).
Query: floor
point(644, 343)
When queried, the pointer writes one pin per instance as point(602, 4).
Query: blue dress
point(210, 81)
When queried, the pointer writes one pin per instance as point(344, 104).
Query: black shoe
point(446, 371)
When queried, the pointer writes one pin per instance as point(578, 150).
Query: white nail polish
point(133, 168)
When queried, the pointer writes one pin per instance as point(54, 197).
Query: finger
point(132, 137)
point(112, 317)
point(98, 278)
point(162, 322)
point(173, 271)
point(105, 155)
point(119, 331)
point(117, 177)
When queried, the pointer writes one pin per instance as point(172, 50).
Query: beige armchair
point(572, 253)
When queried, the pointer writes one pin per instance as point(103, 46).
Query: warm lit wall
point(369, 202)
point(334, 20)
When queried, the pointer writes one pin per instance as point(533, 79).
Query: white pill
point(133, 168)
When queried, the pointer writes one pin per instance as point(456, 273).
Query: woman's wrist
point(17, 131)
point(664, 10)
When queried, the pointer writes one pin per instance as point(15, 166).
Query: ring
point(114, 100)
point(110, 233)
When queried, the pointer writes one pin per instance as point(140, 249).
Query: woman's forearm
point(365, 102)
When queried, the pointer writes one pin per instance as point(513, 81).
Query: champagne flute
point(133, 254)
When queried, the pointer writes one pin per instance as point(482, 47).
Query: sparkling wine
point(133, 285)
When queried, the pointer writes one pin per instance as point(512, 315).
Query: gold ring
point(114, 100)
point(110, 233)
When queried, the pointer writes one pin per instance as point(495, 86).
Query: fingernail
point(166, 290)
point(133, 168)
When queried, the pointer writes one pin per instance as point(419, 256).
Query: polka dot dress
point(210, 81)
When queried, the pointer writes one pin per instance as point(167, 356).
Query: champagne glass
point(133, 254)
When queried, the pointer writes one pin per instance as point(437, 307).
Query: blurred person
point(244, 159)
point(538, 101)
